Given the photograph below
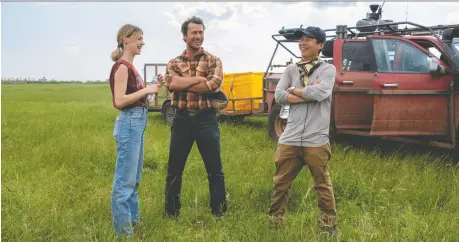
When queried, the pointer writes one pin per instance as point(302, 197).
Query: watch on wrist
point(291, 89)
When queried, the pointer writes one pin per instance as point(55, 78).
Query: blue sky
point(73, 41)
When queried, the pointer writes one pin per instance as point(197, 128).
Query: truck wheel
point(455, 152)
point(276, 125)
point(168, 113)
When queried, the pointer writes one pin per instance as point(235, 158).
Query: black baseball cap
point(311, 31)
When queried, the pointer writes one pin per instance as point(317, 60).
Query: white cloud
point(173, 19)
point(45, 3)
point(256, 10)
point(234, 23)
point(238, 32)
point(212, 45)
point(56, 4)
point(214, 8)
point(72, 50)
point(452, 18)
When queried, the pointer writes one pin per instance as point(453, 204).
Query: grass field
point(58, 158)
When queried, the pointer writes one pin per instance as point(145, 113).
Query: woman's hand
point(152, 89)
point(160, 80)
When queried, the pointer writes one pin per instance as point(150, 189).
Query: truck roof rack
point(386, 28)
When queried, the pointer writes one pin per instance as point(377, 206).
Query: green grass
point(58, 157)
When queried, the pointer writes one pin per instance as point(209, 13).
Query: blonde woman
point(129, 96)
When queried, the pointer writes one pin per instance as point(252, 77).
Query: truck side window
point(398, 56)
point(435, 52)
point(356, 57)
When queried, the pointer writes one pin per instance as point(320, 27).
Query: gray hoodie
point(308, 123)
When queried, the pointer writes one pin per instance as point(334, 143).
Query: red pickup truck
point(393, 83)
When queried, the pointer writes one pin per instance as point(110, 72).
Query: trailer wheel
point(168, 113)
point(231, 119)
point(237, 119)
point(276, 125)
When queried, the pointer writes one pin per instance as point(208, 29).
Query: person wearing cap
point(307, 87)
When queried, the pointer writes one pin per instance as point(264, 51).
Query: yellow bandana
point(307, 68)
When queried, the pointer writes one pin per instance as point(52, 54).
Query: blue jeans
point(129, 135)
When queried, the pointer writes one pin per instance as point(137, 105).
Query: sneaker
point(217, 213)
point(174, 214)
point(326, 227)
point(276, 222)
point(220, 210)
point(135, 223)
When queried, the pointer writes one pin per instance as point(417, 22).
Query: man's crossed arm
point(320, 90)
point(199, 84)
point(295, 94)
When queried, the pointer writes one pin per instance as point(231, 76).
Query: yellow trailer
point(243, 89)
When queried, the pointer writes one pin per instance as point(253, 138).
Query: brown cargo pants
point(289, 162)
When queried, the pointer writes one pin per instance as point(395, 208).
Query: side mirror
point(449, 34)
point(436, 69)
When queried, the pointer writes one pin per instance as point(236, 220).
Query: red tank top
point(134, 83)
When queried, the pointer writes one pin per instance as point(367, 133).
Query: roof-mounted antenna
point(406, 15)
point(379, 14)
point(380, 10)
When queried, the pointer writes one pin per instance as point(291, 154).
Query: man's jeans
point(202, 127)
point(129, 135)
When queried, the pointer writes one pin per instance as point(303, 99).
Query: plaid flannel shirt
point(203, 64)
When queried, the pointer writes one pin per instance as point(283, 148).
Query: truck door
point(355, 66)
point(408, 101)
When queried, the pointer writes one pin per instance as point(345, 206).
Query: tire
point(455, 152)
point(168, 113)
point(327, 51)
point(276, 125)
point(231, 119)
point(237, 119)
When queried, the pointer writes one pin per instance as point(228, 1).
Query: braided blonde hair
point(127, 31)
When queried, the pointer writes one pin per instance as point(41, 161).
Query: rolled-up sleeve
point(215, 76)
point(281, 94)
point(324, 88)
